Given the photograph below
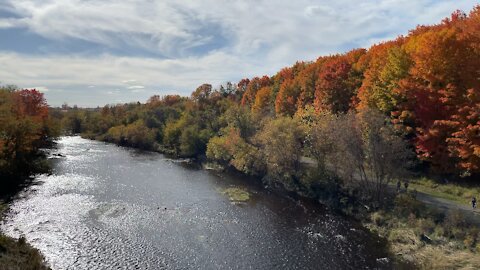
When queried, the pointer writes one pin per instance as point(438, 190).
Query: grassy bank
point(426, 237)
point(17, 254)
point(460, 194)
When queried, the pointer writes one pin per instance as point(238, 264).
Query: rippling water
point(107, 207)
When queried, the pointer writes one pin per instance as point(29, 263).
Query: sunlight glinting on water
point(107, 207)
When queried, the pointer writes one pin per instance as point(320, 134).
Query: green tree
point(281, 141)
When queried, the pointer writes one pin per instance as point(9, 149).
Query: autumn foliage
point(426, 84)
point(25, 126)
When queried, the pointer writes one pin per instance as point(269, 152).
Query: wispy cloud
point(136, 87)
point(180, 44)
point(129, 81)
point(108, 72)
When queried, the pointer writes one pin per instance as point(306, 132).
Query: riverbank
point(418, 235)
point(460, 194)
point(159, 213)
point(26, 128)
point(427, 236)
point(17, 254)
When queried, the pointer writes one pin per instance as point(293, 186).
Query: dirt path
point(444, 205)
point(471, 216)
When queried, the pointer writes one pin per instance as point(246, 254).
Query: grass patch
point(3, 208)
point(237, 194)
point(453, 192)
point(17, 254)
point(442, 257)
point(418, 236)
point(405, 242)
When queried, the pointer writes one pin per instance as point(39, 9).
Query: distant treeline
point(362, 116)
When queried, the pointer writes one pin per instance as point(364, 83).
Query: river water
point(109, 207)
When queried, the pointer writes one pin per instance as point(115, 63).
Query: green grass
point(453, 192)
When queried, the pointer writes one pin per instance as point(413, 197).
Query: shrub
point(454, 225)
point(438, 232)
point(425, 225)
point(454, 219)
point(405, 204)
point(412, 219)
point(378, 218)
point(471, 238)
point(217, 150)
point(469, 241)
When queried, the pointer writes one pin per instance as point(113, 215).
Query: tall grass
point(454, 192)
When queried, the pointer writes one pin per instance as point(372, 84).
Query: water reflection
point(107, 207)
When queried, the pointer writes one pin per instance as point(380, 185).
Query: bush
point(281, 142)
point(378, 218)
point(472, 238)
point(425, 225)
point(138, 135)
point(469, 241)
point(217, 150)
point(193, 140)
point(438, 232)
point(406, 204)
point(454, 219)
point(404, 236)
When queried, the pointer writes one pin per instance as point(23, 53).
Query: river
point(109, 207)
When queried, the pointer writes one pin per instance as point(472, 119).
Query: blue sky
point(94, 52)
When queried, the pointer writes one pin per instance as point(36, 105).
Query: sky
point(96, 52)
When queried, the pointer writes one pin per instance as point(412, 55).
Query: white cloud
point(193, 42)
point(113, 92)
point(172, 28)
point(10, 23)
point(129, 81)
point(108, 72)
point(136, 87)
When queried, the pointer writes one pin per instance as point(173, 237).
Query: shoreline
point(290, 201)
point(409, 246)
point(18, 253)
point(295, 194)
point(420, 253)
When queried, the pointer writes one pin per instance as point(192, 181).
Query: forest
point(25, 129)
point(419, 92)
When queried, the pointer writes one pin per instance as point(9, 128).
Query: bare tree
point(369, 153)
